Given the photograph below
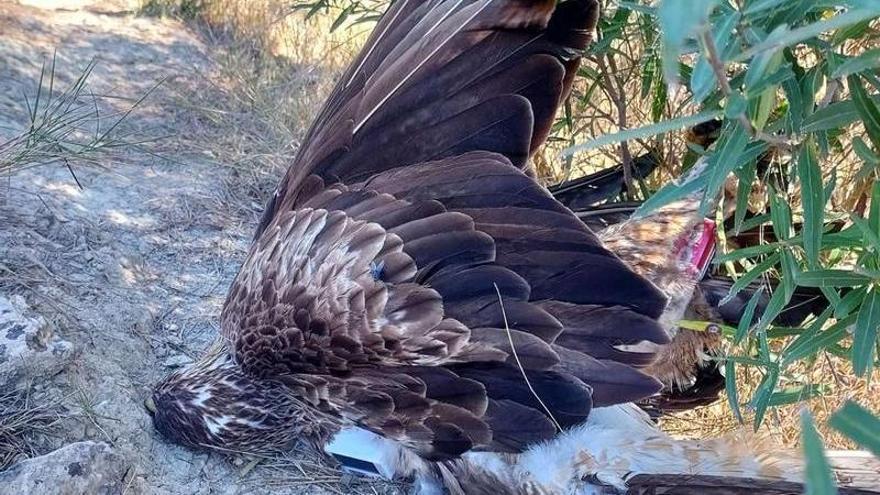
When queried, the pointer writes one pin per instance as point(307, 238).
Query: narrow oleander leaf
point(803, 33)
point(850, 32)
point(868, 60)
point(780, 213)
point(703, 80)
point(832, 278)
point(754, 222)
point(764, 63)
point(761, 400)
point(812, 196)
point(648, 72)
point(637, 7)
point(748, 277)
point(850, 302)
point(792, 395)
point(679, 19)
point(736, 105)
point(730, 387)
point(865, 152)
point(866, 108)
point(746, 252)
point(874, 211)
point(859, 425)
point(778, 300)
point(761, 6)
point(830, 186)
point(745, 322)
point(790, 272)
point(643, 132)
point(731, 150)
point(865, 336)
point(746, 177)
point(834, 116)
point(819, 478)
point(869, 233)
point(815, 340)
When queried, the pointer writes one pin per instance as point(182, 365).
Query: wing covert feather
point(407, 246)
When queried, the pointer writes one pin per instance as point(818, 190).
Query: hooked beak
point(150, 405)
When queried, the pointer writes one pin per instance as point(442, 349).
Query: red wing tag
point(704, 249)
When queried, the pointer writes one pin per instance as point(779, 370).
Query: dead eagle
point(411, 279)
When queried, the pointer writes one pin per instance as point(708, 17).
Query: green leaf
point(730, 387)
point(868, 111)
point(761, 400)
point(754, 222)
point(660, 99)
point(703, 79)
point(765, 62)
point(869, 233)
point(727, 158)
point(832, 278)
point(747, 278)
point(808, 344)
point(745, 322)
point(867, 60)
point(797, 105)
point(874, 211)
point(669, 193)
point(859, 425)
point(342, 17)
point(865, 336)
point(801, 393)
point(812, 196)
point(746, 176)
point(864, 152)
point(648, 69)
point(849, 237)
point(848, 303)
point(775, 305)
point(679, 19)
point(762, 107)
point(819, 479)
point(736, 105)
point(834, 116)
point(850, 32)
point(804, 33)
point(637, 7)
point(643, 132)
point(761, 6)
point(780, 212)
point(746, 252)
point(829, 188)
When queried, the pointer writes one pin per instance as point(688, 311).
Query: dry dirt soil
point(133, 266)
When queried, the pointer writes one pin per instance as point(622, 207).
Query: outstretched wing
point(409, 275)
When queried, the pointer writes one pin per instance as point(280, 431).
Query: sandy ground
point(132, 268)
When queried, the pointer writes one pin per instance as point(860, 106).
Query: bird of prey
point(411, 279)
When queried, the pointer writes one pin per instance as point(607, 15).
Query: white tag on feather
point(360, 451)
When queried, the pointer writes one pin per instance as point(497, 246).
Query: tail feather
point(619, 443)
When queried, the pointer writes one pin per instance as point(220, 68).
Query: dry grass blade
point(22, 424)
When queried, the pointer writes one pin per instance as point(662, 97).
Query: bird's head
point(213, 404)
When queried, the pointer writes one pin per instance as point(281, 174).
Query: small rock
point(28, 347)
point(176, 361)
point(78, 468)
